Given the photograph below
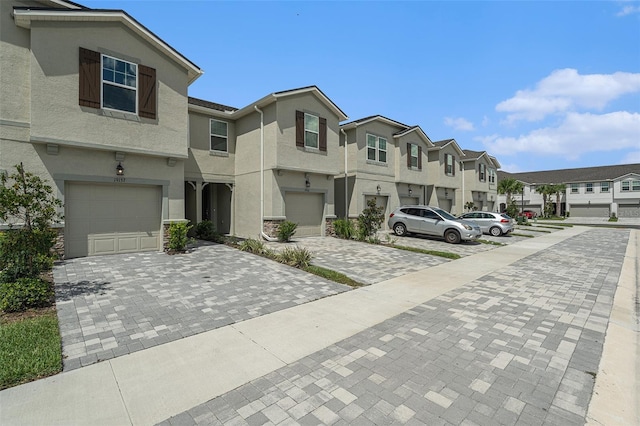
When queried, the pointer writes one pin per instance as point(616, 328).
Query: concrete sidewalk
point(150, 386)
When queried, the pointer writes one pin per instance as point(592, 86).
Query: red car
point(530, 214)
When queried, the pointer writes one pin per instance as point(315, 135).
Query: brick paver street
point(518, 346)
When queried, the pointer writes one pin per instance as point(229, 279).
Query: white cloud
point(576, 135)
point(485, 121)
point(628, 10)
point(565, 90)
point(511, 168)
point(459, 124)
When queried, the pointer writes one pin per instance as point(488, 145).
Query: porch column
point(198, 201)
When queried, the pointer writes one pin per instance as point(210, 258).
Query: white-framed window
point(376, 148)
point(631, 185)
point(119, 85)
point(588, 187)
point(449, 165)
point(482, 172)
point(492, 176)
point(414, 155)
point(311, 130)
point(604, 186)
point(219, 135)
point(574, 188)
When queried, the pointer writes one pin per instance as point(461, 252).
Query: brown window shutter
point(147, 92)
point(89, 78)
point(408, 155)
point(323, 134)
point(299, 128)
point(446, 162)
point(453, 165)
point(420, 157)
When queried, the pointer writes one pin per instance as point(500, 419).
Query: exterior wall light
point(307, 182)
point(410, 190)
point(378, 188)
point(119, 169)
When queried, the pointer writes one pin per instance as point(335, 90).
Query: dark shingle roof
point(211, 105)
point(442, 142)
point(585, 174)
point(473, 155)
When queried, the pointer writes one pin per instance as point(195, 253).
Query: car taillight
point(504, 221)
point(391, 215)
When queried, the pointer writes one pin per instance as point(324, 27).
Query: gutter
point(346, 187)
point(262, 234)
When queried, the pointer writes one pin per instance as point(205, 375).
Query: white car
point(495, 224)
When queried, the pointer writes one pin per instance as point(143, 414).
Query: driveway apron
point(110, 306)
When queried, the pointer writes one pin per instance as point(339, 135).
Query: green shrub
point(567, 213)
point(25, 293)
point(205, 230)
point(298, 257)
point(370, 220)
point(344, 228)
point(286, 231)
point(178, 238)
point(252, 246)
point(613, 218)
point(25, 253)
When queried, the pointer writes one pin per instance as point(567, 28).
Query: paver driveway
point(114, 305)
point(520, 346)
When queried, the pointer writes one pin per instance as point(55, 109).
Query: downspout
point(346, 187)
point(462, 174)
point(262, 234)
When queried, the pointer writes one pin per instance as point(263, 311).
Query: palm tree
point(510, 186)
point(558, 189)
point(546, 190)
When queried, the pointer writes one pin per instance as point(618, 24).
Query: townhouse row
point(98, 105)
point(589, 191)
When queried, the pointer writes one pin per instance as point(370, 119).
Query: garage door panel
point(629, 210)
point(589, 210)
point(307, 210)
point(109, 219)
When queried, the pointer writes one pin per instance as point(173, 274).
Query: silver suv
point(432, 221)
point(495, 224)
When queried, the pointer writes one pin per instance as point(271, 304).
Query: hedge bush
point(286, 230)
point(25, 293)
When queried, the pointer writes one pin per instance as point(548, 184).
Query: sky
point(540, 85)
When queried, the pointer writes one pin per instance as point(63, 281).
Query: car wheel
point(452, 237)
point(399, 229)
point(495, 231)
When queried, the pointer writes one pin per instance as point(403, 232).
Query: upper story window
point(631, 185)
point(115, 84)
point(376, 148)
point(589, 187)
point(119, 84)
point(604, 186)
point(219, 136)
point(492, 176)
point(414, 156)
point(449, 165)
point(311, 131)
point(482, 172)
point(574, 188)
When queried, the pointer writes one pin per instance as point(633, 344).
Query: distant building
point(591, 191)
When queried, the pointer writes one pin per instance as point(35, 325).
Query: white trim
point(311, 131)
point(118, 85)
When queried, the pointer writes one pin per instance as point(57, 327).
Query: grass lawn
point(332, 275)
point(444, 254)
point(30, 347)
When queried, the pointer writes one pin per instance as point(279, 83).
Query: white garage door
point(110, 219)
point(307, 210)
point(589, 210)
point(629, 210)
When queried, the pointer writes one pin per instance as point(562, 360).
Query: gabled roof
point(438, 145)
point(273, 97)
point(211, 105)
point(495, 162)
point(381, 118)
point(416, 129)
point(470, 155)
point(584, 174)
point(24, 16)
